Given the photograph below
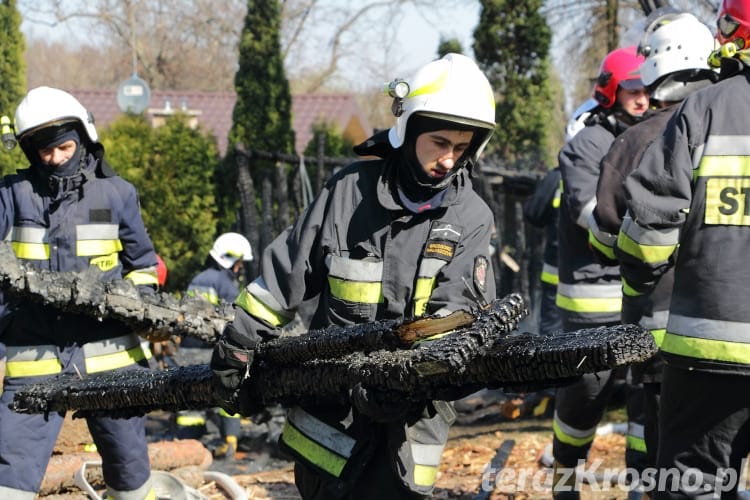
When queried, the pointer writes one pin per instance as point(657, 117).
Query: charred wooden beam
point(156, 317)
point(483, 353)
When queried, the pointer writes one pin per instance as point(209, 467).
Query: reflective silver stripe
point(727, 145)
point(572, 431)
point(29, 235)
point(354, 270)
point(643, 236)
point(427, 454)
point(429, 267)
point(14, 494)
point(635, 430)
point(260, 291)
point(31, 353)
point(549, 269)
point(655, 322)
point(603, 237)
point(588, 208)
point(111, 346)
point(590, 290)
point(710, 329)
point(321, 433)
point(97, 231)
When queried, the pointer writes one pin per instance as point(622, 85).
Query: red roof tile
point(215, 112)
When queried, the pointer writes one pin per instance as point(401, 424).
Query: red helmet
point(733, 24)
point(619, 69)
point(161, 271)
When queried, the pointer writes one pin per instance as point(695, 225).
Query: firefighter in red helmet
point(589, 292)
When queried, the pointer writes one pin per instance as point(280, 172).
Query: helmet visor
point(727, 25)
point(632, 84)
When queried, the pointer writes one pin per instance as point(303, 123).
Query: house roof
point(213, 111)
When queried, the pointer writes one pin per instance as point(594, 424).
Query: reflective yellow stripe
point(143, 277)
point(589, 305)
point(33, 368)
point(91, 248)
point(255, 307)
point(224, 413)
point(607, 251)
point(629, 290)
point(552, 279)
point(356, 291)
point(635, 443)
point(312, 451)
point(568, 439)
point(728, 166)
point(431, 87)
point(190, 420)
point(31, 251)
point(659, 336)
point(652, 254)
point(716, 350)
point(425, 475)
point(208, 293)
point(422, 294)
point(116, 360)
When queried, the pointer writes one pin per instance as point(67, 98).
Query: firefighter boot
point(227, 449)
point(564, 482)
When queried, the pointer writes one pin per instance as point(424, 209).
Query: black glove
point(378, 406)
point(231, 363)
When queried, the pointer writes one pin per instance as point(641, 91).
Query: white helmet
point(676, 42)
point(229, 248)
point(453, 89)
point(45, 106)
point(578, 119)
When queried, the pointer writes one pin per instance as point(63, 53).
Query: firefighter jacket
point(367, 258)
point(589, 292)
point(691, 189)
point(68, 224)
point(215, 284)
point(650, 310)
point(541, 210)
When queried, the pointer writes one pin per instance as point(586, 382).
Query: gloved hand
point(377, 406)
point(231, 363)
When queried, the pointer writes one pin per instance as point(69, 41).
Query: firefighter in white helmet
point(392, 238)
point(690, 192)
point(675, 46)
point(218, 282)
point(66, 212)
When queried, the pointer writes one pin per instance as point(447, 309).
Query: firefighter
point(588, 293)
point(217, 282)
point(676, 47)
point(69, 211)
point(391, 238)
point(690, 191)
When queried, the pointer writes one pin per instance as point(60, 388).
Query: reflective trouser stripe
point(110, 354)
point(550, 274)
point(318, 442)
point(589, 298)
point(635, 439)
point(426, 462)
point(659, 336)
point(570, 435)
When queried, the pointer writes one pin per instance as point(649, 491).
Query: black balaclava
point(411, 178)
point(54, 136)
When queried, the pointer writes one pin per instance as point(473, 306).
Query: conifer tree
point(13, 75)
